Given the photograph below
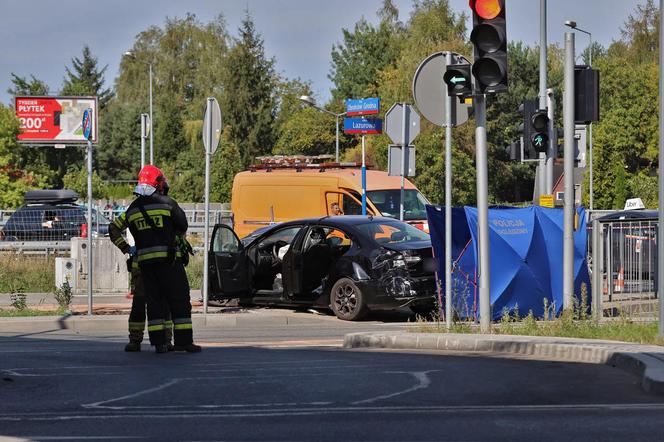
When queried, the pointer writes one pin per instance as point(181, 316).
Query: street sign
point(211, 126)
point(363, 126)
point(51, 120)
point(394, 160)
point(394, 123)
point(430, 91)
point(546, 201)
point(86, 123)
point(458, 80)
point(365, 106)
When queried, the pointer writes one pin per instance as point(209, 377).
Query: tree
point(118, 158)
point(308, 132)
point(24, 87)
point(248, 102)
point(77, 179)
point(14, 180)
point(364, 53)
point(641, 33)
point(85, 78)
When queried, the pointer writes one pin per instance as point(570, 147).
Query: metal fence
point(40, 231)
point(623, 254)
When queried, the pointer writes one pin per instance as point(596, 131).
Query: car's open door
point(228, 269)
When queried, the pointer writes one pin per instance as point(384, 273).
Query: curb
point(647, 362)
point(83, 323)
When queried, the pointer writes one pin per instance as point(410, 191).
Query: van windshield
point(387, 201)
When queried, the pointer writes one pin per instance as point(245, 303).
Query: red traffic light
point(486, 9)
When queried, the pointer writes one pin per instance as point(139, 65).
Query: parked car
point(351, 264)
point(51, 215)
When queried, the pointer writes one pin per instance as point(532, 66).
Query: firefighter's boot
point(189, 348)
point(135, 337)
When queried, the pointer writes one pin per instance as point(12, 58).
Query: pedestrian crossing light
point(539, 127)
point(489, 39)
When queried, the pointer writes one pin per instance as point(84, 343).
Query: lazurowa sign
point(50, 120)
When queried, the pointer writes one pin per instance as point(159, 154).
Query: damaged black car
point(350, 264)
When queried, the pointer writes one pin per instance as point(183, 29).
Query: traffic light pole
point(568, 216)
point(451, 109)
point(543, 157)
point(482, 210)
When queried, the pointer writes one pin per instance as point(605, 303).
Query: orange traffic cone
point(620, 282)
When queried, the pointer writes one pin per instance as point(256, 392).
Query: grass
point(571, 323)
point(12, 313)
point(30, 274)
point(195, 271)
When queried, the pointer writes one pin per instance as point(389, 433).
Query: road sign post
point(402, 125)
point(363, 126)
point(211, 137)
point(86, 125)
point(433, 98)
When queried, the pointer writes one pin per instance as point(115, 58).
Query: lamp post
point(572, 24)
point(131, 55)
point(309, 101)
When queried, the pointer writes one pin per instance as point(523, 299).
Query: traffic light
point(489, 38)
point(457, 78)
point(586, 95)
point(539, 130)
point(535, 126)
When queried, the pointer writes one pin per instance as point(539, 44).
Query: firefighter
point(155, 220)
point(138, 302)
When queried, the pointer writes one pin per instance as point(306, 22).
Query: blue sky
point(40, 37)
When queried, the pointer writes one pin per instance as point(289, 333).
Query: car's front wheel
point(347, 300)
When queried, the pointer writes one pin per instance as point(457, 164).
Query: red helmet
point(152, 176)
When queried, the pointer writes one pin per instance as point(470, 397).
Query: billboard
point(54, 120)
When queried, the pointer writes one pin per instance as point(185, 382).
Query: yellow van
point(269, 195)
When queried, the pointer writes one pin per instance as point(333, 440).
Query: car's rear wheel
point(347, 300)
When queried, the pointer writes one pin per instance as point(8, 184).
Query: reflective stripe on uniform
point(182, 323)
point(152, 212)
point(121, 221)
point(168, 324)
point(136, 326)
point(153, 255)
point(119, 241)
point(155, 325)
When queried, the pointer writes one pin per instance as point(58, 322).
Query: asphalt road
point(295, 383)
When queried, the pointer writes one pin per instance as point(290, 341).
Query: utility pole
point(568, 216)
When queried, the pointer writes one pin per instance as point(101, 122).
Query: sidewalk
point(645, 361)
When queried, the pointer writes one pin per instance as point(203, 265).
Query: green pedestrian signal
point(539, 127)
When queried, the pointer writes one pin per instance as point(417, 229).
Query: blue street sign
point(363, 126)
point(87, 123)
point(365, 106)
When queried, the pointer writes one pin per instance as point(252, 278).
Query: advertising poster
point(54, 119)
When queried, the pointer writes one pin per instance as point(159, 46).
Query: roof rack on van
point(50, 196)
point(301, 162)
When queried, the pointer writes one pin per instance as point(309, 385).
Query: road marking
point(137, 394)
point(312, 411)
point(422, 378)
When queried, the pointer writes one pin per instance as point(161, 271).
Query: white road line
point(422, 378)
point(131, 396)
point(411, 409)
